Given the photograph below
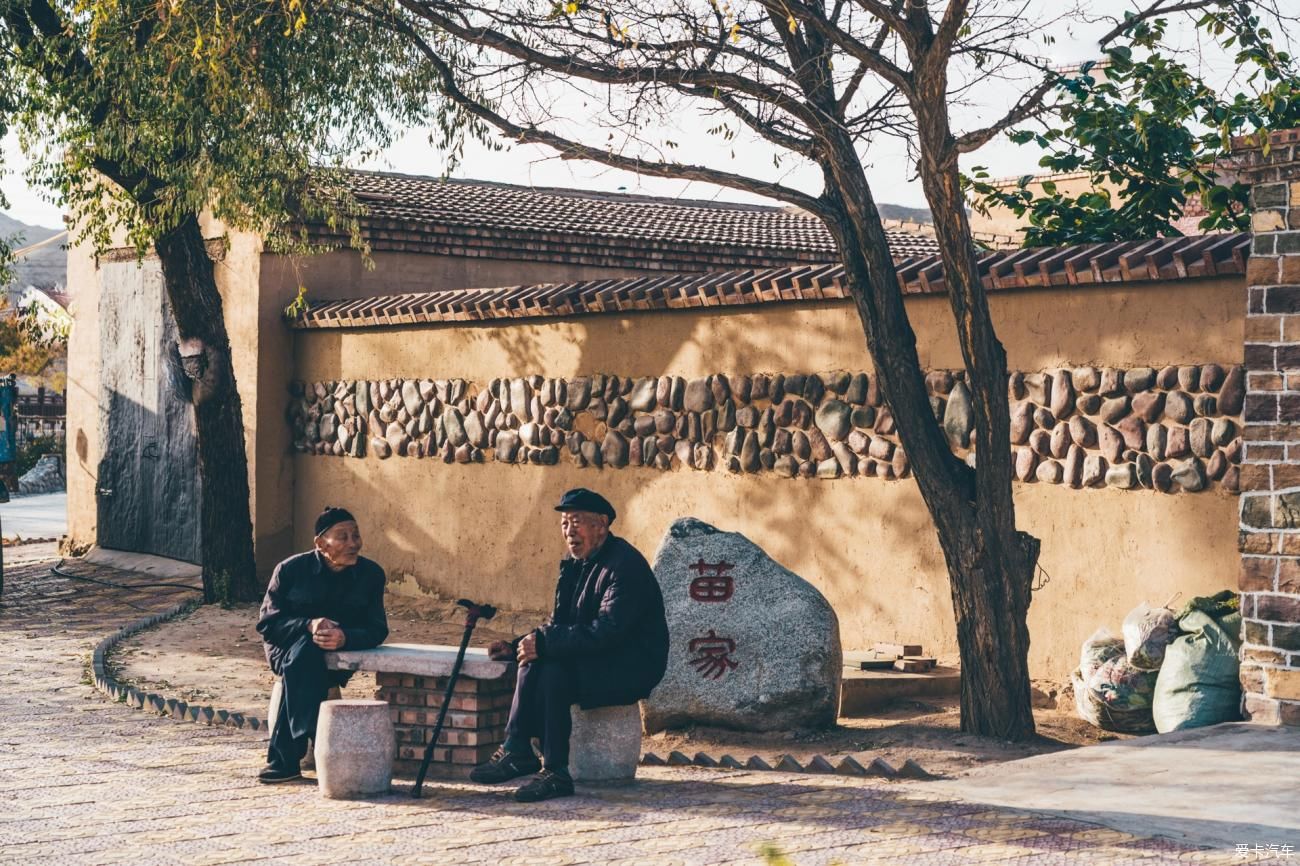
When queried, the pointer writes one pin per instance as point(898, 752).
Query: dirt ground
point(214, 657)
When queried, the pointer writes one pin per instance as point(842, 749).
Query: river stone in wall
point(752, 645)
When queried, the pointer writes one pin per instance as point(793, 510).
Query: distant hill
point(44, 268)
point(902, 212)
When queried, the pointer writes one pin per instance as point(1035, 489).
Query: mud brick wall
point(475, 724)
point(1270, 475)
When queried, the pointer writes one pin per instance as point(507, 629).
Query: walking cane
point(475, 612)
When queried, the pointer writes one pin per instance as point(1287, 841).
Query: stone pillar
point(1270, 474)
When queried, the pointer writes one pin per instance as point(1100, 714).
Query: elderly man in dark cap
point(605, 644)
point(329, 598)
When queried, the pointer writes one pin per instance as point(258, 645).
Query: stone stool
point(273, 709)
point(355, 746)
point(606, 743)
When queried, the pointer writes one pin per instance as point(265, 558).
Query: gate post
point(1269, 505)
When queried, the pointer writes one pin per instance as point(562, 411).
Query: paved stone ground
point(41, 516)
point(86, 781)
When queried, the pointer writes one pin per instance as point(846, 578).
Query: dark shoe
point(274, 775)
point(505, 766)
point(544, 786)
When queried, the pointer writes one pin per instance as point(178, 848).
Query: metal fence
point(42, 415)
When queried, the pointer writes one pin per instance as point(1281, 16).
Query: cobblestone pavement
point(83, 780)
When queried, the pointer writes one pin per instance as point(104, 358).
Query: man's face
point(583, 532)
point(340, 544)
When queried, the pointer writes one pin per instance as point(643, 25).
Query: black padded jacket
point(303, 588)
point(609, 624)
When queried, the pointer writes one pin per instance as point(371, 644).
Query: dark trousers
point(305, 682)
point(544, 691)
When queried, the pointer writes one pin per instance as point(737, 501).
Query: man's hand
point(319, 623)
point(527, 648)
point(326, 634)
point(500, 651)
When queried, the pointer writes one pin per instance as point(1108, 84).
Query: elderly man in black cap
point(329, 598)
point(605, 644)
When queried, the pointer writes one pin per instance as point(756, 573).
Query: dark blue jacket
point(609, 624)
point(303, 588)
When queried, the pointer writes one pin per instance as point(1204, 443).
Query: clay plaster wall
point(237, 256)
point(344, 275)
point(255, 289)
point(487, 531)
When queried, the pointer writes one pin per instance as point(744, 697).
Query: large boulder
point(753, 646)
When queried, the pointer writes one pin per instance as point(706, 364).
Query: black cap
point(582, 499)
point(332, 516)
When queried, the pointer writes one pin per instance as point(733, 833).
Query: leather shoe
point(504, 766)
point(544, 786)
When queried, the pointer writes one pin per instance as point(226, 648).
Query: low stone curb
point(848, 766)
point(153, 702)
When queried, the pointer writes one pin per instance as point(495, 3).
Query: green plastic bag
point(1198, 682)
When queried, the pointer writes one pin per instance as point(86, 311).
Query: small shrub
point(32, 450)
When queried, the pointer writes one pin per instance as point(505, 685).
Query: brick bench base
point(412, 678)
point(475, 724)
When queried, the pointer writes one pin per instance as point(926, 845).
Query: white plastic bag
point(1147, 631)
point(1097, 650)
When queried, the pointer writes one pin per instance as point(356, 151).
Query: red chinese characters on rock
point(713, 655)
point(714, 581)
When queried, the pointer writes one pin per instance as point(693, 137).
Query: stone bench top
point(420, 660)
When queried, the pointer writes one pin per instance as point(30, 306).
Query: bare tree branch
point(1160, 7)
point(569, 149)
point(1027, 106)
point(851, 88)
point(860, 51)
point(608, 73)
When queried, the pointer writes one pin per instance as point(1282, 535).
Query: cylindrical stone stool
point(606, 743)
point(354, 749)
point(273, 708)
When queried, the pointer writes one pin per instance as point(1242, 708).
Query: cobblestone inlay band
point(1177, 428)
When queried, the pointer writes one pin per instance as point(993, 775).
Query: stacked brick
point(1270, 474)
point(1172, 429)
point(474, 727)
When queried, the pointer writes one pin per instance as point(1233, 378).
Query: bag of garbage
point(1097, 650)
point(1125, 692)
point(1147, 631)
point(1198, 683)
point(1117, 697)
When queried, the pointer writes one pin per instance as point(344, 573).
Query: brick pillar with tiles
point(1270, 475)
point(474, 727)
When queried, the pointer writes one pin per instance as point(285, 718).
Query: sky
point(891, 177)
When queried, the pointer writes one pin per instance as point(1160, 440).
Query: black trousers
point(544, 691)
point(305, 682)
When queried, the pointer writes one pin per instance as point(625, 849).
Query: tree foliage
point(26, 348)
point(144, 115)
point(141, 114)
point(1146, 129)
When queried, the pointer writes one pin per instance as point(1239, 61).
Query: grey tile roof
point(482, 218)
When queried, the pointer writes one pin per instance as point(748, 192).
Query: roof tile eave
point(1060, 267)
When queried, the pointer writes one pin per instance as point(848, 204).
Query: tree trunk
point(229, 572)
point(990, 564)
point(995, 560)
